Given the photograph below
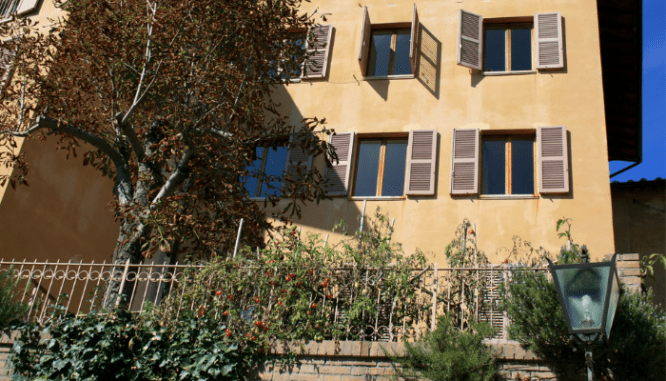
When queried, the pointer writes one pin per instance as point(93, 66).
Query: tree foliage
point(169, 98)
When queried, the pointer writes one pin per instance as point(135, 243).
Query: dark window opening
point(266, 170)
point(507, 165)
point(389, 53)
point(507, 47)
point(380, 168)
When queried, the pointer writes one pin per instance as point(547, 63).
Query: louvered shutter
point(413, 43)
point(421, 162)
point(318, 52)
point(338, 172)
point(465, 161)
point(297, 158)
point(549, 43)
point(470, 40)
point(26, 6)
point(6, 61)
point(553, 160)
point(366, 34)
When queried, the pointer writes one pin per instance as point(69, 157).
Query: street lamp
point(588, 293)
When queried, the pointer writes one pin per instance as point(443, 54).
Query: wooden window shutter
point(465, 161)
point(553, 160)
point(297, 159)
point(6, 60)
point(337, 173)
point(470, 40)
point(421, 163)
point(318, 52)
point(366, 34)
point(26, 6)
point(413, 43)
point(549, 43)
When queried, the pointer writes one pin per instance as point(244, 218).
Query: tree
point(172, 97)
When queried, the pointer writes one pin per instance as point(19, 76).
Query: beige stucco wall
point(463, 99)
point(63, 211)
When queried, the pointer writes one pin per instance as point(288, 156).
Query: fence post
point(435, 281)
point(240, 228)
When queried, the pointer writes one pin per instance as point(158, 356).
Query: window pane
point(522, 166)
point(367, 168)
point(521, 48)
point(494, 45)
point(394, 168)
point(380, 53)
point(251, 181)
point(402, 64)
point(275, 163)
point(299, 48)
point(494, 161)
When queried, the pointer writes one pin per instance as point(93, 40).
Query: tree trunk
point(128, 248)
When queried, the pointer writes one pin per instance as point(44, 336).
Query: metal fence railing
point(80, 288)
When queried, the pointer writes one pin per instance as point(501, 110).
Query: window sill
point(517, 72)
point(405, 76)
point(378, 198)
point(508, 196)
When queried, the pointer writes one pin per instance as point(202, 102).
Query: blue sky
point(654, 97)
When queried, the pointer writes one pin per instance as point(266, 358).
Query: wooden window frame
point(394, 28)
point(509, 23)
point(261, 172)
point(507, 137)
point(383, 139)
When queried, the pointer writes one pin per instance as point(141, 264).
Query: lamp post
point(588, 293)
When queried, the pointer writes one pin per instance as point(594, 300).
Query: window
point(387, 165)
point(266, 170)
point(388, 49)
point(380, 167)
point(507, 42)
point(389, 53)
point(21, 7)
point(316, 44)
point(507, 47)
point(7, 54)
point(507, 164)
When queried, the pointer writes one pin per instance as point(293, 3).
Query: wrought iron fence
point(79, 288)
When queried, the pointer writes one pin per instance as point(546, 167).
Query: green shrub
point(450, 354)
point(10, 309)
point(635, 350)
point(120, 346)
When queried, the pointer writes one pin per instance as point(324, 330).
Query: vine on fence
point(306, 289)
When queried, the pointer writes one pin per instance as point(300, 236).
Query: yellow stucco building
point(504, 112)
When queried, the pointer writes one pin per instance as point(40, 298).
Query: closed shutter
point(465, 161)
point(366, 34)
point(413, 43)
point(26, 6)
point(470, 40)
point(298, 159)
point(549, 43)
point(337, 173)
point(6, 60)
point(318, 52)
point(553, 160)
point(421, 162)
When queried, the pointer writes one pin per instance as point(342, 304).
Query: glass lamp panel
point(612, 303)
point(584, 292)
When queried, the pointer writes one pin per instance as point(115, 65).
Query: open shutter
point(465, 161)
point(318, 52)
point(549, 44)
point(470, 40)
point(338, 172)
point(297, 158)
point(553, 160)
point(421, 162)
point(26, 6)
point(413, 43)
point(6, 60)
point(366, 34)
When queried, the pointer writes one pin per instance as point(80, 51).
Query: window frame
point(395, 28)
point(281, 143)
point(508, 24)
point(20, 7)
point(508, 137)
point(383, 139)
